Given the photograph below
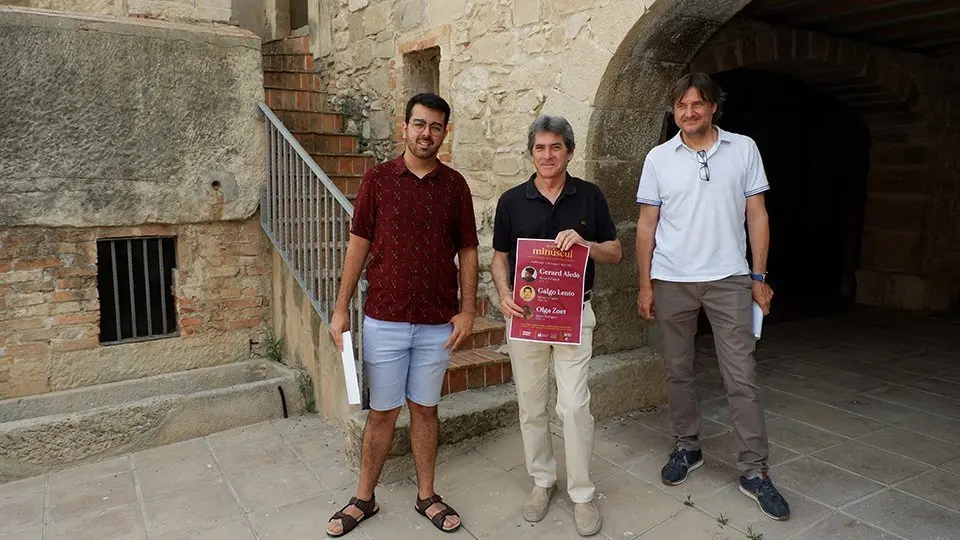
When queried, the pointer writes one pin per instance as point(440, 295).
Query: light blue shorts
point(404, 360)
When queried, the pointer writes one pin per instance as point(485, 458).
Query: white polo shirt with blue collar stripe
point(701, 234)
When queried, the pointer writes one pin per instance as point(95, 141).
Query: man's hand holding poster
point(548, 287)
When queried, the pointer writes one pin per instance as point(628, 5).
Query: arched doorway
point(870, 94)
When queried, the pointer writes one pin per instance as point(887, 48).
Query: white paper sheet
point(757, 320)
point(350, 371)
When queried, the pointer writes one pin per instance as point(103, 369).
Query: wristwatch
point(761, 277)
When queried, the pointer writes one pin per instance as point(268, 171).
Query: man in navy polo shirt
point(554, 205)
point(696, 193)
point(413, 215)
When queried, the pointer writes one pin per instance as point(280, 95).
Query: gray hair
point(557, 125)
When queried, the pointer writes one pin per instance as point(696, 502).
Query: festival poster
point(548, 287)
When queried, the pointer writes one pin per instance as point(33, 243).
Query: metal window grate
point(134, 277)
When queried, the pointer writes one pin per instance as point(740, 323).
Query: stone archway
point(626, 122)
point(673, 38)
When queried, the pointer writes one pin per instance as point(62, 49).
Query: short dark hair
point(708, 88)
point(430, 101)
point(557, 125)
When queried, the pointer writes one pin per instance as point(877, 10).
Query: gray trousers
point(728, 305)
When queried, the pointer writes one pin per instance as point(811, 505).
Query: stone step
point(343, 164)
point(486, 332)
point(290, 45)
point(349, 184)
point(476, 368)
point(619, 383)
point(296, 62)
point(328, 143)
point(315, 122)
point(293, 80)
point(282, 99)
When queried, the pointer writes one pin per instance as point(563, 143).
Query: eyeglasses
point(704, 170)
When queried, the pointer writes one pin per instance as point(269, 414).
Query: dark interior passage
point(816, 154)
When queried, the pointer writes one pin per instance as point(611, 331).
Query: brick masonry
point(49, 304)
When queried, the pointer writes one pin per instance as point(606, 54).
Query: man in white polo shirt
point(696, 192)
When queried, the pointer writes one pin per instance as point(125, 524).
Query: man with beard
point(413, 215)
point(554, 205)
point(696, 193)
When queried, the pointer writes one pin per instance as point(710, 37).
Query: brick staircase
point(299, 98)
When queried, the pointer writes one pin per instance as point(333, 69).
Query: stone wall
point(252, 15)
point(50, 308)
point(166, 132)
point(307, 343)
point(163, 139)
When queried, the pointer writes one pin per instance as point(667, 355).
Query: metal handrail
point(308, 218)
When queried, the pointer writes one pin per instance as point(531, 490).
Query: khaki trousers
point(728, 305)
point(531, 363)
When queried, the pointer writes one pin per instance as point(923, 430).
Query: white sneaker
point(587, 517)
point(537, 502)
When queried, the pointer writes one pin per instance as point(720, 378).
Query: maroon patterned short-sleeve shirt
point(416, 226)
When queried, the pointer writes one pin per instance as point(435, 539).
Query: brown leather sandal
point(349, 523)
point(441, 516)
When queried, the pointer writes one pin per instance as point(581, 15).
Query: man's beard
point(422, 153)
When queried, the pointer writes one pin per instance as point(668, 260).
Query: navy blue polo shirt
point(523, 212)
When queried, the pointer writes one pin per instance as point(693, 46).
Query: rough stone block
point(140, 138)
point(526, 12)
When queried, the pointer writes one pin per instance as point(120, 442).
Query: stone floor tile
point(907, 516)
point(192, 451)
point(938, 427)
point(823, 482)
point(630, 506)
point(505, 450)
point(84, 473)
point(33, 533)
point(833, 419)
point(557, 525)
point(328, 463)
point(244, 434)
point(120, 523)
point(626, 443)
point(800, 437)
point(27, 485)
point(307, 428)
point(463, 474)
point(491, 506)
point(692, 523)
point(246, 454)
point(840, 526)
point(303, 519)
point(743, 512)
point(854, 381)
point(953, 466)
point(796, 366)
point(716, 410)
point(940, 487)
point(871, 462)
point(875, 409)
point(20, 510)
point(913, 445)
point(712, 476)
point(189, 510)
point(805, 387)
point(177, 475)
point(724, 447)
point(660, 421)
point(268, 488)
point(937, 386)
point(84, 497)
point(918, 399)
point(235, 528)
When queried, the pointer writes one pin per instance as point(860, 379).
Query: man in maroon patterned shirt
point(413, 216)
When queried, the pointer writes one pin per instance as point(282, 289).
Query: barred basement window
point(134, 278)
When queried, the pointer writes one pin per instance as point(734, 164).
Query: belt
point(587, 295)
